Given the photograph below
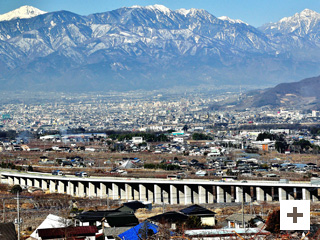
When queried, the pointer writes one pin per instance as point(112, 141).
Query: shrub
point(273, 222)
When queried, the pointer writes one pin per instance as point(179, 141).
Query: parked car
point(271, 175)
point(58, 172)
point(201, 173)
point(81, 174)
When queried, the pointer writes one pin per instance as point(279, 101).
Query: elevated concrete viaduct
point(186, 191)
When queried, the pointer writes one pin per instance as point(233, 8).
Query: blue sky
point(254, 12)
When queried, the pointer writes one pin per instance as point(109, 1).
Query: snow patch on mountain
point(225, 18)
point(155, 7)
point(183, 11)
point(22, 12)
point(192, 12)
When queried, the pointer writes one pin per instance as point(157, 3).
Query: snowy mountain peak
point(155, 7)
point(309, 13)
point(22, 12)
point(306, 14)
point(225, 18)
point(194, 13)
point(300, 24)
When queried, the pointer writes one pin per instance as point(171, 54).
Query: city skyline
point(252, 12)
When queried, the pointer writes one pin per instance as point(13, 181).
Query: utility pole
point(243, 223)
point(4, 209)
point(108, 201)
point(18, 211)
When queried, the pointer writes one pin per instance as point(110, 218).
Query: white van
point(174, 177)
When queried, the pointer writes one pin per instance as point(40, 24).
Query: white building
point(178, 139)
point(137, 140)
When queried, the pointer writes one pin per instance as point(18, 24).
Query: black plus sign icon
point(295, 215)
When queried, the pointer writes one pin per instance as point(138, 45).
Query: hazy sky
point(254, 12)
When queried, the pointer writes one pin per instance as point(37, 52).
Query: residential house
point(103, 219)
point(137, 140)
point(172, 217)
point(86, 232)
point(133, 206)
point(207, 216)
point(51, 221)
point(235, 220)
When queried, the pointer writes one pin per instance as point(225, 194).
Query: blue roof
point(298, 165)
point(133, 233)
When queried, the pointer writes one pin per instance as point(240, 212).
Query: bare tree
point(163, 231)
point(145, 233)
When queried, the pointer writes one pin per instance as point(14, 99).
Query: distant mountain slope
point(305, 94)
point(148, 48)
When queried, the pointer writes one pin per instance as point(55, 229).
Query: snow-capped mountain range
point(152, 47)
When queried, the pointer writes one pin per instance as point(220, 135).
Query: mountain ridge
point(146, 47)
point(303, 94)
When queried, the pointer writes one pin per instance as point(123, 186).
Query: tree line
point(147, 137)
point(281, 144)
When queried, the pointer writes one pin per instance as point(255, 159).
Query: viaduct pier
point(185, 191)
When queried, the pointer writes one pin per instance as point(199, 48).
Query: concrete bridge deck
point(185, 191)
